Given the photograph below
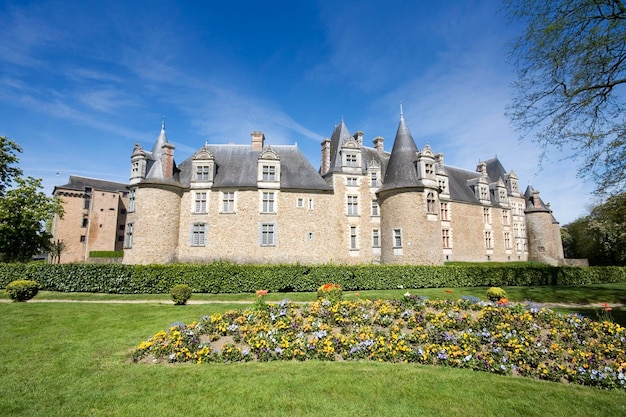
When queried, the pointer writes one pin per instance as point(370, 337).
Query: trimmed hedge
point(106, 254)
point(222, 277)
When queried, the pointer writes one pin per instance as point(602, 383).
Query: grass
point(579, 294)
point(71, 359)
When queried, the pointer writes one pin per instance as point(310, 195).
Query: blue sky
point(82, 81)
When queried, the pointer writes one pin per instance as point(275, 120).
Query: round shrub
point(495, 294)
point(180, 294)
point(22, 290)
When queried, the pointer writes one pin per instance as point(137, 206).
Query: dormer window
point(484, 193)
point(269, 173)
point(351, 160)
point(203, 169)
point(429, 168)
point(202, 173)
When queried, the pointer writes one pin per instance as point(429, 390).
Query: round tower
point(409, 204)
point(152, 229)
point(544, 245)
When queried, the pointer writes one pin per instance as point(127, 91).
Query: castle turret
point(544, 244)
point(152, 228)
point(408, 203)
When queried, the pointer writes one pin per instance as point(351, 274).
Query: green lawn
point(71, 359)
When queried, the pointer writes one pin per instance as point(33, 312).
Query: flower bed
point(519, 339)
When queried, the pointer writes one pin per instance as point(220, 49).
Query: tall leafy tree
point(601, 236)
point(569, 93)
point(24, 208)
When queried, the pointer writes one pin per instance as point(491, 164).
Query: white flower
point(407, 294)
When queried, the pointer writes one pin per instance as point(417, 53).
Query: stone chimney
point(358, 136)
point(378, 144)
point(481, 167)
point(167, 160)
point(536, 199)
point(258, 139)
point(325, 156)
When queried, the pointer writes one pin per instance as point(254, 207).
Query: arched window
point(430, 202)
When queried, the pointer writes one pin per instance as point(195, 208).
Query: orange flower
point(448, 290)
point(608, 309)
point(502, 301)
point(356, 294)
point(604, 304)
point(261, 293)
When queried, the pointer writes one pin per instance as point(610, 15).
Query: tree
point(571, 66)
point(24, 209)
point(601, 236)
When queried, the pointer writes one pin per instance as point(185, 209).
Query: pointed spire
point(162, 122)
point(161, 140)
point(401, 112)
point(401, 171)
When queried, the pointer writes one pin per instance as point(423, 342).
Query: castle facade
point(262, 203)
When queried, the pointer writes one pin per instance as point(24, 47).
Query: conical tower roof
point(341, 134)
point(401, 172)
point(161, 140)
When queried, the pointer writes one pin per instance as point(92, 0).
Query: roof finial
point(401, 112)
point(162, 122)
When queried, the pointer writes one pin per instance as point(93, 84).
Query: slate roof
point(401, 171)
point(237, 166)
point(458, 184)
point(79, 183)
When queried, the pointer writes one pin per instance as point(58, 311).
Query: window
point(268, 237)
point(374, 179)
point(375, 238)
point(443, 186)
point(351, 181)
point(129, 236)
point(353, 238)
point(429, 169)
point(135, 169)
point(502, 195)
point(430, 202)
point(83, 238)
point(85, 222)
point(310, 204)
point(300, 202)
point(488, 240)
point(484, 194)
point(507, 240)
point(131, 199)
point(486, 216)
point(200, 205)
point(120, 238)
point(228, 202)
point(269, 173)
point(87, 202)
point(353, 205)
point(397, 238)
point(506, 218)
point(120, 227)
point(351, 160)
point(444, 211)
point(198, 234)
point(202, 173)
point(375, 206)
point(445, 236)
point(268, 202)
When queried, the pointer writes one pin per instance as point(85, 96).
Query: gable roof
point(78, 183)
point(237, 167)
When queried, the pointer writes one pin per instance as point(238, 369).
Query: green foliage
point(599, 237)
point(495, 293)
point(106, 254)
point(224, 278)
point(24, 209)
point(22, 290)
point(180, 294)
point(571, 65)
